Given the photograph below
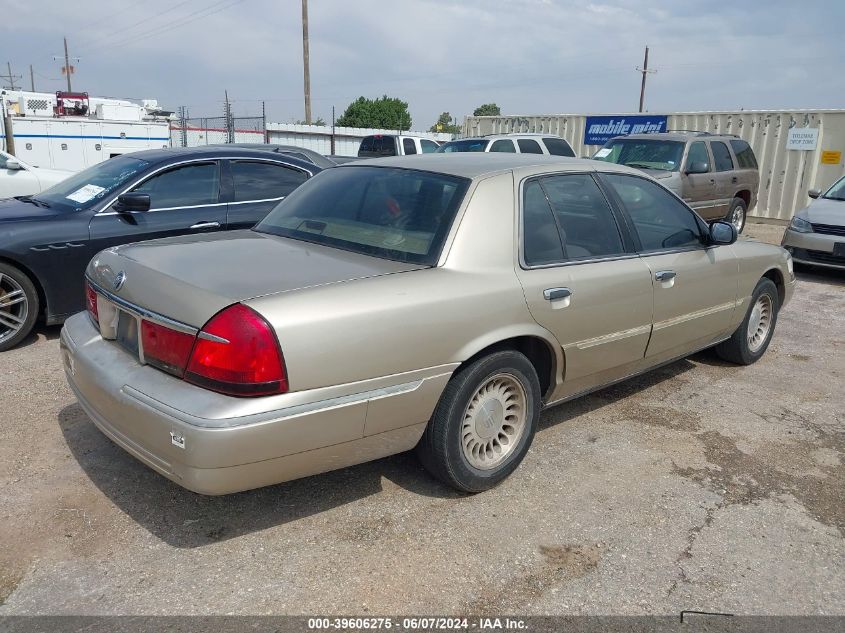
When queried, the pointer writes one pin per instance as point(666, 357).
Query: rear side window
point(721, 156)
point(586, 223)
point(744, 154)
point(408, 146)
point(529, 146)
point(503, 145)
point(660, 219)
point(264, 181)
point(540, 238)
point(558, 147)
point(366, 144)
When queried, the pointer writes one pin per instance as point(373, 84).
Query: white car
point(18, 178)
point(511, 143)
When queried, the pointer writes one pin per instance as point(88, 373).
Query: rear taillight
point(237, 353)
point(91, 301)
point(166, 348)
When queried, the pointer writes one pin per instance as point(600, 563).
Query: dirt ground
point(699, 486)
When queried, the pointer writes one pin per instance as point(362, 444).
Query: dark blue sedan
point(46, 240)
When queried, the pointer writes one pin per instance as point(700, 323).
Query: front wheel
point(484, 423)
point(754, 334)
point(18, 306)
point(737, 213)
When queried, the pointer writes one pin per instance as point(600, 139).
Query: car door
point(698, 190)
point(257, 187)
point(726, 179)
point(582, 279)
point(184, 198)
point(695, 285)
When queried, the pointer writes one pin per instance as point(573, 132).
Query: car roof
point(173, 154)
point(678, 135)
point(483, 164)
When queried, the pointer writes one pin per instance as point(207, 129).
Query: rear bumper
point(813, 248)
point(149, 414)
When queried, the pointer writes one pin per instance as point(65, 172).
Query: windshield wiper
point(644, 166)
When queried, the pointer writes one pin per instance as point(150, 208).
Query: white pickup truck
point(18, 178)
point(378, 145)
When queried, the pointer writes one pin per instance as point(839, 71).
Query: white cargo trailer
point(72, 131)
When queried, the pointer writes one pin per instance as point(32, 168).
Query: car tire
point(744, 347)
point(484, 423)
point(737, 214)
point(19, 306)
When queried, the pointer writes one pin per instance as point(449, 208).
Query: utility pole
point(306, 62)
point(644, 70)
point(230, 123)
point(10, 77)
point(31, 79)
point(68, 70)
point(264, 122)
point(333, 141)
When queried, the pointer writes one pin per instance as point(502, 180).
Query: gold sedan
point(436, 301)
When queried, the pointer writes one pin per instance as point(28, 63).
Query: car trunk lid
point(191, 278)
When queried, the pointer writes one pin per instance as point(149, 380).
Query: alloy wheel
point(14, 307)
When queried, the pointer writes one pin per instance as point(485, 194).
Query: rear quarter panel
point(755, 260)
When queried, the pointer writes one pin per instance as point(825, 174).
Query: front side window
point(398, 214)
point(660, 219)
point(428, 147)
point(642, 153)
point(721, 156)
point(503, 145)
point(464, 145)
point(558, 147)
point(408, 146)
point(586, 222)
point(85, 189)
point(190, 185)
point(529, 146)
point(255, 180)
point(698, 154)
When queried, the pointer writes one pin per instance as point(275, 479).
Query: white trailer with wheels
point(71, 131)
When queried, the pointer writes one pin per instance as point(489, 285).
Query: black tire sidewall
point(461, 473)
point(33, 306)
point(763, 286)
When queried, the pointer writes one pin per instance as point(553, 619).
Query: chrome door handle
point(206, 225)
point(553, 294)
point(665, 275)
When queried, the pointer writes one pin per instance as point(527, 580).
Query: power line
point(10, 77)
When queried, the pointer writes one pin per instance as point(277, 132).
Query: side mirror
point(13, 164)
point(132, 202)
point(722, 233)
point(814, 193)
point(698, 167)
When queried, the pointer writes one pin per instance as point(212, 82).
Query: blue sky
point(529, 56)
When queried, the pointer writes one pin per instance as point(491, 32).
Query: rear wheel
point(752, 337)
point(736, 215)
point(18, 306)
point(484, 423)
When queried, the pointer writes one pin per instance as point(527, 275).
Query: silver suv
point(512, 144)
point(716, 174)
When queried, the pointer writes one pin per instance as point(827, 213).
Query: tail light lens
point(166, 348)
point(237, 353)
point(91, 301)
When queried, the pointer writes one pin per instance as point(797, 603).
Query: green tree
point(318, 121)
point(488, 109)
point(444, 124)
point(386, 113)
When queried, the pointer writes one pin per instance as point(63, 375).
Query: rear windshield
point(379, 145)
point(398, 214)
point(642, 153)
point(466, 145)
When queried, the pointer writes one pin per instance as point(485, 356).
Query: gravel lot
point(699, 486)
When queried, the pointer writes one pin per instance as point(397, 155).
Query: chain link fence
point(193, 132)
